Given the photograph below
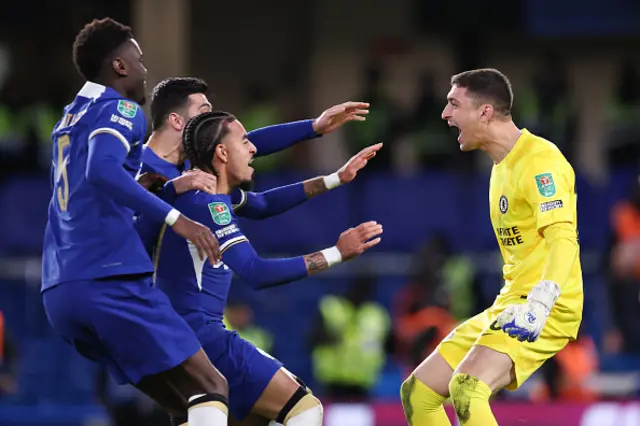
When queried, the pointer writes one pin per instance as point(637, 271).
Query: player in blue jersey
point(97, 276)
point(175, 100)
point(258, 384)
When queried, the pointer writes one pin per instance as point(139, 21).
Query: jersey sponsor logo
point(509, 236)
point(504, 204)
point(551, 205)
point(546, 185)
point(225, 232)
point(121, 121)
point(220, 213)
point(127, 109)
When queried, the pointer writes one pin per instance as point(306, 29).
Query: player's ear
point(486, 112)
point(176, 121)
point(119, 67)
point(221, 152)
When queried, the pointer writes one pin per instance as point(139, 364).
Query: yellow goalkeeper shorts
point(526, 356)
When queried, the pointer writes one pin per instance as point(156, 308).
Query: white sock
point(310, 417)
point(206, 410)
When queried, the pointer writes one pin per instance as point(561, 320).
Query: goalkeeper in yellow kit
point(538, 311)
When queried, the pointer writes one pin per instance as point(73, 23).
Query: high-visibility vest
point(359, 354)
point(458, 274)
point(42, 118)
point(11, 130)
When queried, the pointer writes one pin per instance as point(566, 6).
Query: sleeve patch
point(226, 231)
point(546, 185)
point(220, 213)
point(121, 121)
point(551, 205)
point(127, 109)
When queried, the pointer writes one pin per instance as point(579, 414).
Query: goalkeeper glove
point(525, 321)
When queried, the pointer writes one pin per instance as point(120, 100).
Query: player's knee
point(406, 389)
point(303, 384)
point(463, 388)
point(415, 395)
point(301, 409)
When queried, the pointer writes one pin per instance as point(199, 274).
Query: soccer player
point(217, 142)
point(97, 277)
point(175, 100)
point(533, 212)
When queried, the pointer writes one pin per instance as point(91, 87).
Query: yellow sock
point(470, 398)
point(422, 406)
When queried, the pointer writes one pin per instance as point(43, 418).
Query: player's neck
point(165, 146)
point(223, 186)
point(113, 84)
point(501, 139)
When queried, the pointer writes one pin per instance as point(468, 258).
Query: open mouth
point(453, 128)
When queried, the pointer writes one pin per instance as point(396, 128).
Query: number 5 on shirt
point(62, 181)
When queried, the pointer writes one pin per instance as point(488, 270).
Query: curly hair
point(95, 43)
point(201, 136)
point(172, 94)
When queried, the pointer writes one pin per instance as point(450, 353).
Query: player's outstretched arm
point(271, 139)
point(261, 205)
point(262, 273)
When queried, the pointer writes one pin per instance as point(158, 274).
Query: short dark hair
point(488, 85)
point(95, 43)
point(201, 136)
point(172, 94)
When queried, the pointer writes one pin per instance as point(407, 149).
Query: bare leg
point(285, 401)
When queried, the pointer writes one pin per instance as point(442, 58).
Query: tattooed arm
point(316, 262)
point(263, 273)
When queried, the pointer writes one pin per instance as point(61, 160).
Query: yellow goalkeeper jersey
point(532, 188)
